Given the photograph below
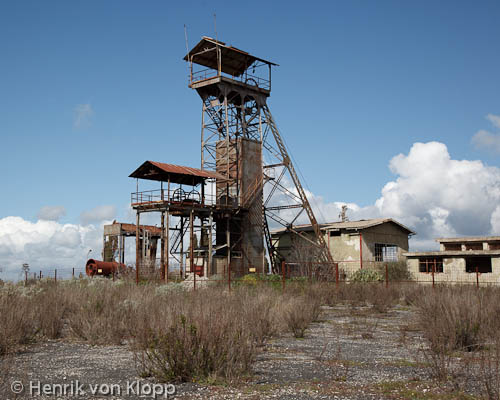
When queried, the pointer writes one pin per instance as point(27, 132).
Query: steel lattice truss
point(230, 115)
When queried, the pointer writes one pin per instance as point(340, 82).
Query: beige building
point(353, 244)
point(458, 260)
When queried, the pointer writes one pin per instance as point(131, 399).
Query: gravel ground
point(352, 353)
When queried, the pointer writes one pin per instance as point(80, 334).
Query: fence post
point(40, 275)
point(73, 273)
point(25, 278)
point(55, 275)
point(433, 270)
point(283, 275)
point(337, 274)
point(386, 276)
point(477, 276)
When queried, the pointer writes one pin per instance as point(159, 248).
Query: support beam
point(137, 247)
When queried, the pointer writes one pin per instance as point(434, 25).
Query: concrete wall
point(454, 271)
point(345, 249)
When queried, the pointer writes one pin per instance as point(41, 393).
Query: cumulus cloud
point(51, 213)
point(486, 140)
point(45, 245)
point(494, 119)
point(433, 194)
point(83, 114)
point(98, 214)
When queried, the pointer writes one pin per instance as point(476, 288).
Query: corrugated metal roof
point(157, 171)
point(349, 225)
point(233, 61)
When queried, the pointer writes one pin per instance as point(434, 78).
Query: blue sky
point(89, 90)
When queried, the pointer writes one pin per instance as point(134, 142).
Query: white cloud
point(494, 119)
point(45, 245)
point(432, 194)
point(51, 213)
point(487, 141)
point(82, 116)
point(98, 214)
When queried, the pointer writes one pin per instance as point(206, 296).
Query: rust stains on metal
point(233, 61)
point(103, 268)
point(180, 174)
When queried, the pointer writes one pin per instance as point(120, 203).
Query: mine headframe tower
point(241, 141)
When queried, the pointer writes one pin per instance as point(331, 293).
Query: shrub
point(18, 323)
point(203, 335)
point(299, 312)
point(366, 275)
point(397, 271)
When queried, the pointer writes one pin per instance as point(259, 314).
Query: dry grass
point(462, 330)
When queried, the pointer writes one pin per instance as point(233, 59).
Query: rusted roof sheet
point(156, 171)
point(234, 61)
point(349, 225)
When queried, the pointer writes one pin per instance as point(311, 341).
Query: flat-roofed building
point(458, 260)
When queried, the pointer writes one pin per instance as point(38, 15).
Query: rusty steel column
point(191, 248)
point(283, 276)
point(162, 247)
point(433, 271)
point(137, 247)
point(360, 250)
point(386, 275)
point(210, 223)
point(167, 248)
point(181, 266)
point(228, 241)
point(477, 277)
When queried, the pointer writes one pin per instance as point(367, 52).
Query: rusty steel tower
point(240, 141)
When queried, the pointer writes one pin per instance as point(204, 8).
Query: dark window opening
point(427, 264)
point(334, 233)
point(453, 246)
point(494, 245)
point(474, 246)
point(483, 264)
point(386, 252)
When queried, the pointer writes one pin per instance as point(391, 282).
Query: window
point(474, 246)
point(334, 233)
point(483, 264)
point(427, 264)
point(386, 252)
point(494, 245)
point(453, 246)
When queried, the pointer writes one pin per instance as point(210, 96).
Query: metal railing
point(247, 79)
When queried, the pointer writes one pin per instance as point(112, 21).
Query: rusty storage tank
point(103, 268)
